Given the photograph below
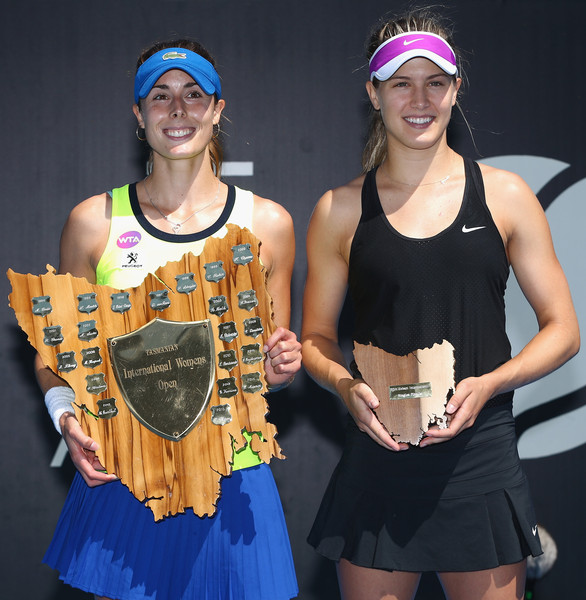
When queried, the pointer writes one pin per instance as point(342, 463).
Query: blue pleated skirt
point(107, 543)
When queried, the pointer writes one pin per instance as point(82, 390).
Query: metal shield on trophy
point(165, 371)
point(167, 375)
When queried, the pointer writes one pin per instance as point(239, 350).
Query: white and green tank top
point(135, 248)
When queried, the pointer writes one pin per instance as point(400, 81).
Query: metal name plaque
point(410, 390)
point(165, 371)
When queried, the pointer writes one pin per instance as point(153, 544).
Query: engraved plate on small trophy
point(227, 331)
point(227, 387)
point(95, 383)
point(227, 359)
point(120, 302)
point(159, 300)
point(52, 336)
point(247, 300)
point(217, 305)
point(91, 357)
point(251, 354)
point(87, 303)
point(66, 361)
point(221, 414)
point(41, 305)
point(107, 408)
point(87, 330)
point(251, 383)
point(253, 327)
point(242, 254)
point(215, 271)
point(185, 283)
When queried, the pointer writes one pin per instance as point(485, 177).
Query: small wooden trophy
point(413, 390)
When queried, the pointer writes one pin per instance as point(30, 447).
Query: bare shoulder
point(85, 235)
point(510, 200)
point(502, 185)
point(273, 226)
point(270, 215)
point(336, 216)
point(343, 201)
point(91, 214)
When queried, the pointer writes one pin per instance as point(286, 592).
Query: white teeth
point(419, 120)
point(178, 132)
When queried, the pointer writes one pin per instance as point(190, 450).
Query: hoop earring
point(140, 139)
point(216, 130)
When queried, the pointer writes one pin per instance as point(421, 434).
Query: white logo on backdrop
point(566, 216)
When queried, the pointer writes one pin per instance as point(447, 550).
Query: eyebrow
point(438, 74)
point(428, 78)
point(164, 86)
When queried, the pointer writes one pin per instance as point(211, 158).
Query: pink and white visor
point(396, 51)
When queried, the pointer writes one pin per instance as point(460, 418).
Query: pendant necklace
point(442, 181)
point(177, 226)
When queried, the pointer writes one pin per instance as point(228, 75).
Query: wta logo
point(128, 239)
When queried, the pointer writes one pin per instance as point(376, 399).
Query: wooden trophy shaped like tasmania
point(413, 390)
point(167, 375)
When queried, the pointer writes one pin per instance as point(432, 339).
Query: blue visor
point(192, 63)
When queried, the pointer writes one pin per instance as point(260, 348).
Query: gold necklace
point(442, 181)
point(177, 226)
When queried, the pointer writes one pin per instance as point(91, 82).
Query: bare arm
point(527, 238)
point(82, 242)
point(328, 244)
point(274, 227)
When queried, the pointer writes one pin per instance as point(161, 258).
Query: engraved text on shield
point(165, 371)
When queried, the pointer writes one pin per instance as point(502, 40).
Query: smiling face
point(177, 116)
point(415, 103)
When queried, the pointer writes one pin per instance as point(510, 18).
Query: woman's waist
point(482, 458)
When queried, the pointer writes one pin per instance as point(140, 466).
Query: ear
point(371, 91)
point(138, 115)
point(220, 104)
point(456, 89)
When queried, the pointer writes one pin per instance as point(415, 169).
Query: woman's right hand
point(82, 450)
point(361, 403)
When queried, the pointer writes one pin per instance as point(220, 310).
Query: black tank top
point(412, 293)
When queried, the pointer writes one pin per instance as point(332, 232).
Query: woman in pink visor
point(423, 241)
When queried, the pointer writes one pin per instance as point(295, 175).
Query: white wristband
point(58, 400)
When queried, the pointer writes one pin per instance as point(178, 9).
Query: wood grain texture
point(168, 476)
point(407, 419)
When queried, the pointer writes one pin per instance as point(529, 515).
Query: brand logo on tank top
point(128, 239)
point(470, 229)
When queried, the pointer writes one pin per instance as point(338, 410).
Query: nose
point(419, 99)
point(177, 108)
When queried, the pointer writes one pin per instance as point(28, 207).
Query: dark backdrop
point(293, 78)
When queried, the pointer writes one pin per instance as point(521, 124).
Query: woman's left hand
point(283, 358)
point(462, 409)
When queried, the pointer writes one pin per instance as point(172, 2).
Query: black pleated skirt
point(463, 505)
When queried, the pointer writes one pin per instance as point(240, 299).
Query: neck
point(419, 167)
point(174, 184)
